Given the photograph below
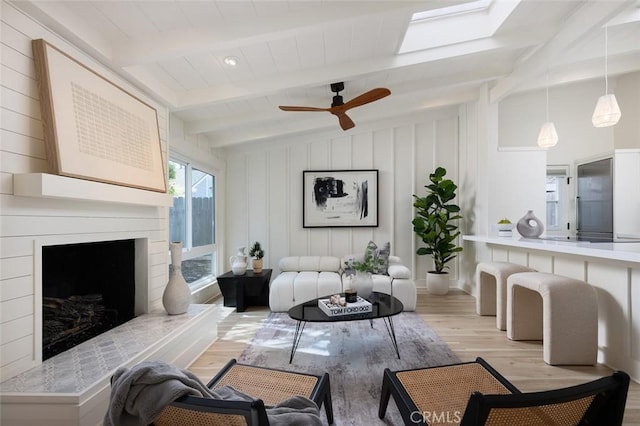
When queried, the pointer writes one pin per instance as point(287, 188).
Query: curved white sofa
point(304, 278)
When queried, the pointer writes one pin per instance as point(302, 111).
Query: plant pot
point(438, 284)
point(257, 266)
point(362, 284)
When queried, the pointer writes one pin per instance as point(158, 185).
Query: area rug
point(355, 356)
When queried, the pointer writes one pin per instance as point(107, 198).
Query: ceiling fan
point(339, 107)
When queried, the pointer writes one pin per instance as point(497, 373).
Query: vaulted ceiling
point(289, 52)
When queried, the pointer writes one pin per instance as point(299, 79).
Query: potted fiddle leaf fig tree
point(436, 225)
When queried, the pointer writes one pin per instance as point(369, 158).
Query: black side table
point(249, 289)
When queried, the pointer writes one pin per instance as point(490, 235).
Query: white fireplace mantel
point(54, 186)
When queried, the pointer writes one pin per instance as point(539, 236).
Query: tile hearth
point(85, 370)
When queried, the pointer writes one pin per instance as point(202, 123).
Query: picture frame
point(340, 198)
point(94, 129)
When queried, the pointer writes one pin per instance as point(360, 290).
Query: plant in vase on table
point(436, 225)
point(257, 253)
point(363, 283)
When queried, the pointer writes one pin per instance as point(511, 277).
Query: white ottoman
point(560, 311)
point(491, 289)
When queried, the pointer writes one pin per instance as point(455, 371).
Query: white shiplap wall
point(264, 191)
point(28, 223)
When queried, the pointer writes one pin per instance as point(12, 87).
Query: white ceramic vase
point(177, 295)
point(239, 262)
point(362, 284)
point(437, 284)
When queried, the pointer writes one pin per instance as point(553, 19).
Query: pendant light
point(607, 112)
point(548, 136)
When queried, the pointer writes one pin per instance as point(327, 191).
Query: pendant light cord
point(547, 96)
point(606, 67)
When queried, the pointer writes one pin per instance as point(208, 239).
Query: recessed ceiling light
point(231, 61)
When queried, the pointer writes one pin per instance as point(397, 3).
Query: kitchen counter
point(622, 251)
point(613, 269)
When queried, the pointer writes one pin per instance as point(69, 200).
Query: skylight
point(472, 6)
point(455, 25)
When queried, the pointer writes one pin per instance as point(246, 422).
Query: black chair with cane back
point(474, 393)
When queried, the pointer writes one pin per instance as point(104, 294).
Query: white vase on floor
point(177, 294)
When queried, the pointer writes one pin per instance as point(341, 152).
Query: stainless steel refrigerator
point(594, 201)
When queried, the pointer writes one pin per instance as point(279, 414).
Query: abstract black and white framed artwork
point(334, 198)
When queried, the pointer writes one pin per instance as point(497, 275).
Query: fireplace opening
point(87, 289)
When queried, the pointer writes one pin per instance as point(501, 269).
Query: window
point(192, 220)
point(557, 190)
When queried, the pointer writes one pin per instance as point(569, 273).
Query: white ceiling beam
point(67, 24)
point(584, 70)
point(589, 17)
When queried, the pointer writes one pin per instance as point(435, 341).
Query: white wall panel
point(518, 257)
point(21, 124)
point(279, 191)
point(383, 161)
point(341, 154)
point(403, 240)
point(257, 199)
point(14, 267)
point(541, 263)
point(18, 82)
point(21, 144)
point(298, 236)
point(17, 329)
point(16, 308)
point(612, 286)
point(570, 267)
point(14, 288)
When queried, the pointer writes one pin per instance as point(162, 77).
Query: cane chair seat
point(474, 393)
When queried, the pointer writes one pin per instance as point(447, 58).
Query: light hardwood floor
point(453, 317)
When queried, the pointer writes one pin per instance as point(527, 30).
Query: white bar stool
point(491, 288)
point(560, 311)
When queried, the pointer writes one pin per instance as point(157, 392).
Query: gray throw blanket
point(140, 393)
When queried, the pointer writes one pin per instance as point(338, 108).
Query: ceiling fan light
point(548, 136)
point(607, 112)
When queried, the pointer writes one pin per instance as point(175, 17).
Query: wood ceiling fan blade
point(301, 108)
point(345, 122)
point(365, 98)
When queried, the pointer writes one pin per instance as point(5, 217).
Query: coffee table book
point(360, 307)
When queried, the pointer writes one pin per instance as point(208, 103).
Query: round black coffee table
point(383, 306)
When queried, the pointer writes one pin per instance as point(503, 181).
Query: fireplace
point(87, 289)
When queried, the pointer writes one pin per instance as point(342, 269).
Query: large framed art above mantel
point(339, 198)
point(93, 129)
